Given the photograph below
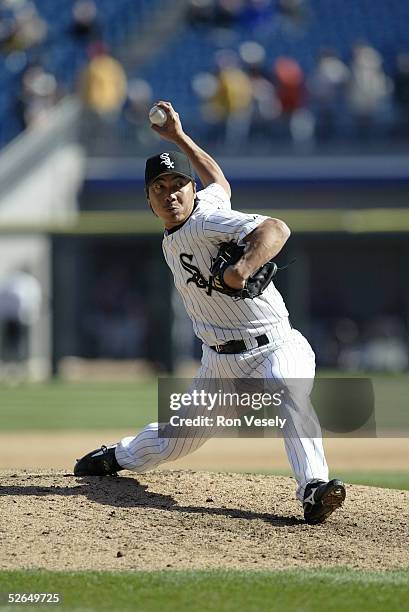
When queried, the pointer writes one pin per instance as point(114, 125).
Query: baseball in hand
point(157, 116)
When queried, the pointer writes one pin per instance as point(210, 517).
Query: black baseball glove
point(229, 253)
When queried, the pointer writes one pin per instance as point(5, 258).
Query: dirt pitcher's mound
point(179, 519)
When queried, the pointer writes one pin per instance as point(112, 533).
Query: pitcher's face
point(172, 197)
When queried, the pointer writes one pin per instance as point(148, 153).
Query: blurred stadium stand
point(321, 154)
point(171, 51)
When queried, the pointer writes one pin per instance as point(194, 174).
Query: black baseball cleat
point(99, 462)
point(321, 499)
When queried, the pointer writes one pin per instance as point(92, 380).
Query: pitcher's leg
point(294, 363)
point(307, 459)
point(147, 450)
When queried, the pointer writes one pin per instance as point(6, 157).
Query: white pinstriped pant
point(290, 358)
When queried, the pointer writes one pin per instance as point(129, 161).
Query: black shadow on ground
point(122, 492)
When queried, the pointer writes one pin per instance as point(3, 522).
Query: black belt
point(239, 346)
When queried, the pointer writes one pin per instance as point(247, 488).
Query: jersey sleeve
point(215, 196)
point(222, 226)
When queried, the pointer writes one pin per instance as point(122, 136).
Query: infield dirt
point(192, 520)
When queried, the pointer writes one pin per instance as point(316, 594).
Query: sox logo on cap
point(167, 161)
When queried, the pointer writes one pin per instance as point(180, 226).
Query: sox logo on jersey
point(197, 277)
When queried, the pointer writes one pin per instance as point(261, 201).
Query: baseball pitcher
point(221, 261)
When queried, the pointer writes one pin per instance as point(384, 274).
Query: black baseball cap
point(171, 162)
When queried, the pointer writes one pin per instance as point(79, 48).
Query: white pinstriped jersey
point(218, 318)
point(189, 252)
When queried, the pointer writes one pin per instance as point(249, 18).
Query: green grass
point(386, 480)
point(68, 406)
point(218, 591)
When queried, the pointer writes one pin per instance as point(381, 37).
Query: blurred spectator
point(369, 89)
point(253, 56)
point(385, 349)
point(326, 86)
point(291, 93)
point(103, 83)
point(39, 93)
point(302, 128)
point(232, 101)
point(205, 86)
point(103, 90)
point(25, 30)
point(401, 91)
point(85, 26)
point(266, 106)
point(349, 348)
point(290, 87)
point(136, 110)
point(20, 303)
